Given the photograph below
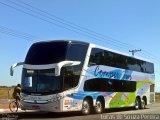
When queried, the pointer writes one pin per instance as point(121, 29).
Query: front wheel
point(13, 106)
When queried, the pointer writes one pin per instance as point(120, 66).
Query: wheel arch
point(138, 97)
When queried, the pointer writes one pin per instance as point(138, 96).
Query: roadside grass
point(6, 92)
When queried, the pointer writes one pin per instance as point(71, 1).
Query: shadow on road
point(120, 109)
point(42, 115)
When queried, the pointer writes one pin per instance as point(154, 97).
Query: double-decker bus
point(67, 75)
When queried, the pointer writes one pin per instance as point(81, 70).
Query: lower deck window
point(109, 85)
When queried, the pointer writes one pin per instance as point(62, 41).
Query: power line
point(152, 55)
point(24, 36)
point(14, 32)
point(18, 34)
point(59, 25)
point(69, 24)
point(72, 24)
point(86, 33)
point(92, 34)
point(35, 16)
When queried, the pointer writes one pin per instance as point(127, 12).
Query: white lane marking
point(1, 110)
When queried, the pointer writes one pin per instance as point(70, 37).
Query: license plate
point(35, 107)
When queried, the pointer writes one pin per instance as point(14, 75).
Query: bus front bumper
point(41, 106)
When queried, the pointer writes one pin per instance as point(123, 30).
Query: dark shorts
point(17, 98)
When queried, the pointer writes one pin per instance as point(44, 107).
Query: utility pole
point(134, 51)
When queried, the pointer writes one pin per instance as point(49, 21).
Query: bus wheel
point(86, 107)
point(137, 104)
point(99, 106)
point(143, 104)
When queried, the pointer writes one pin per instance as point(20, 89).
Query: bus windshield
point(45, 80)
point(40, 81)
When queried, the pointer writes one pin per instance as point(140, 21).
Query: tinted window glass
point(104, 57)
point(133, 64)
point(46, 53)
point(149, 67)
point(68, 77)
point(76, 52)
point(40, 81)
point(109, 85)
point(96, 57)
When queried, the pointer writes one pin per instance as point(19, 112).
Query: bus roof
point(97, 46)
point(73, 41)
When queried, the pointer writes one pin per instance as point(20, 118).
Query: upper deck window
point(108, 58)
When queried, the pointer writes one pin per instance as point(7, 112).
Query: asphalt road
point(121, 114)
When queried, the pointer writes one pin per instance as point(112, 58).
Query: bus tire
point(143, 104)
point(137, 103)
point(99, 107)
point(86, 107)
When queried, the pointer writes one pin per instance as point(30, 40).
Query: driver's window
point(68, 77)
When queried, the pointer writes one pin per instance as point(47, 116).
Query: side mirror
point(13, 66)
point(63, 64)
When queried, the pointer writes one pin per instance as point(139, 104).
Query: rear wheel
point(137, 104)
point(99, 106)
point(13, 106)
point(143, 104)
point(86, 107)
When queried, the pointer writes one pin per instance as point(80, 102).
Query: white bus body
point(61, 76)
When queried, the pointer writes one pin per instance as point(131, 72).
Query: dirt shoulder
point(4, 106)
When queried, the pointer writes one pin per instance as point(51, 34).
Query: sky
point(122, 25)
